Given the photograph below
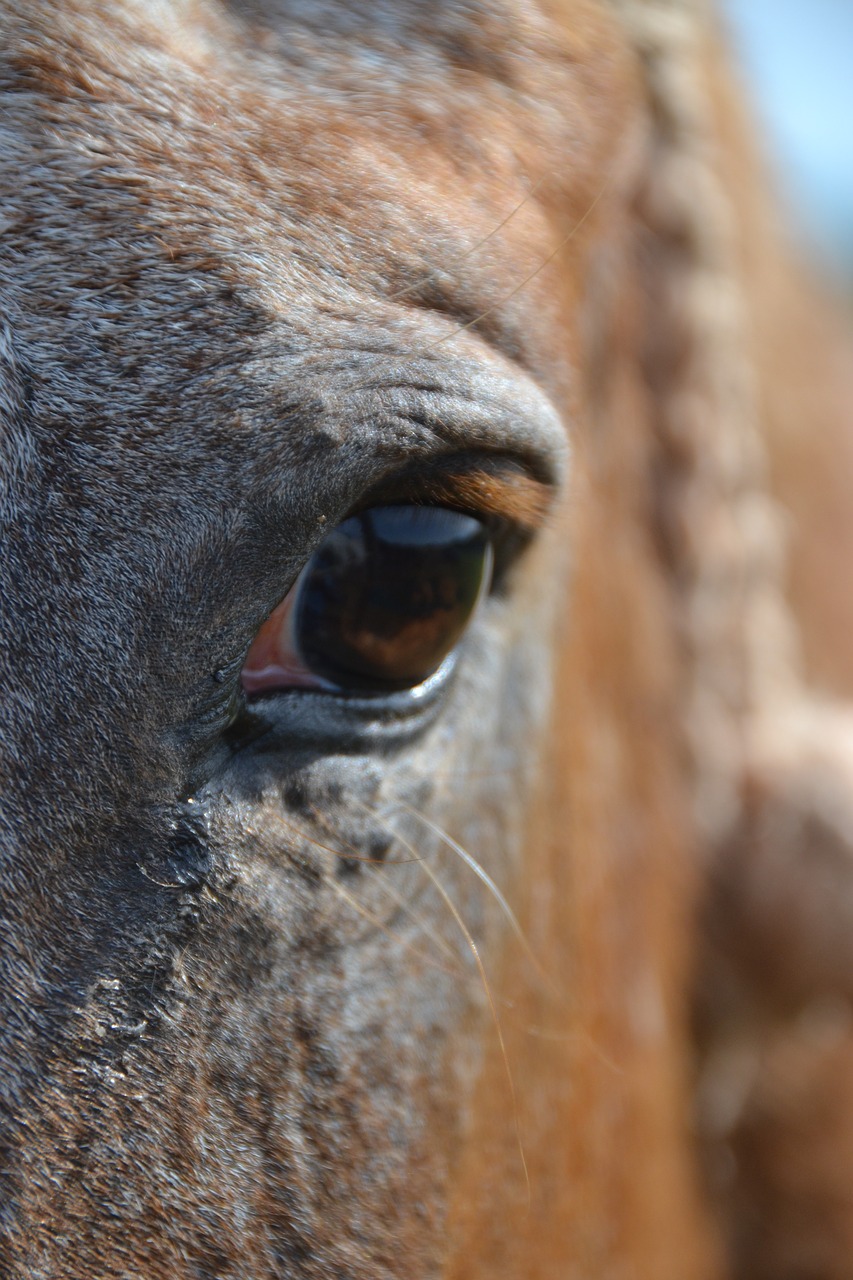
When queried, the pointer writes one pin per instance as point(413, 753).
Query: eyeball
point(381, 604)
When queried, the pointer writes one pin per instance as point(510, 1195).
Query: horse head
point(394, 624)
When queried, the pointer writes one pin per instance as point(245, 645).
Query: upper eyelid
point(513, 495)
point(481, 486)
point(471, 433)
point(408, 402)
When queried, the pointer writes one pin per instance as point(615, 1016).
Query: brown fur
point(262, 261)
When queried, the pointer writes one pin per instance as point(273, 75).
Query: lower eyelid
point(274, 676)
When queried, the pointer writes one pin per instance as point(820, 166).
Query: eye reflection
point(380, 605)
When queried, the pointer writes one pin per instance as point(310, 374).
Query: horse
point(425, 752)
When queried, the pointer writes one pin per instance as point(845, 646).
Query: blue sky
point(798, 60)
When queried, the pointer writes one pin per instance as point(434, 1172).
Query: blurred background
point(796, 57)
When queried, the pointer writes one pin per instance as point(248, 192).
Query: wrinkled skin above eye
point(379, 606)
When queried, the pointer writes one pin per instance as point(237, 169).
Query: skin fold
point(535, 969)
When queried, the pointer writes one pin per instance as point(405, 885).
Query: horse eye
point(379, 606)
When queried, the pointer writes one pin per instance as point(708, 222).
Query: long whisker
point(417, 919)
point(429, 276)
point(566, 1037)
point(481, 968)
point(454, 333)
point(579, 1037)
point(484, 877)
point(532, 276)
point(374, 864)
point(377, 922)
point(351, 855)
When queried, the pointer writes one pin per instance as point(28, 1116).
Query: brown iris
point(380, 605)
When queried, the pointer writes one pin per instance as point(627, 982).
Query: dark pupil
point(388, 594)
